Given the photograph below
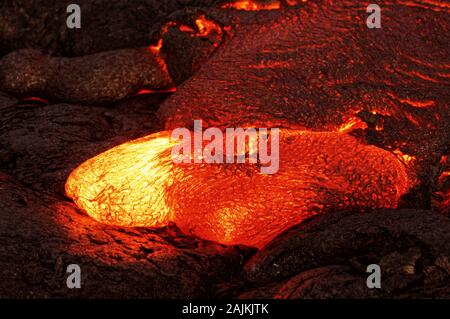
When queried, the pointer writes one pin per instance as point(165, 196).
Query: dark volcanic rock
point(105, 25)
point(41, 235)
point(328, 256)
point(41, 144)
point(94, 79)
point(113, 75)
point(318, 67)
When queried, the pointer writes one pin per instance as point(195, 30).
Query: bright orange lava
point(145, 91)
point(138, 184)
point(35, 99)
point(351, 124)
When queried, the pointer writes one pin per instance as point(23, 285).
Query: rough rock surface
point(292, 60)
point(319, 67)
point(106, 25)
point(40, 235)
point(291, 67)
point(41, 144)
point(327, 257)
point(94, 79)
point(185, 52)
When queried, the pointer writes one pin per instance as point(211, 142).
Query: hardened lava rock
point(318, 65)
point(311, 66)
point(41, 235)
point(41, 144)
point(94, 79)
point(105, 25)
point(327, 257)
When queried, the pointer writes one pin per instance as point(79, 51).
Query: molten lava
point(206, 27)
point(126, 184)
point(255, 5)
point(138, 184)
point(251, 5)
point(35, 99)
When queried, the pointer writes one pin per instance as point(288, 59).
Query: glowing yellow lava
point(126, 184)
point(138, 184)
point(251, 5)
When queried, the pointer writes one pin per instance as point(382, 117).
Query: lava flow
point(255, 5)
point(251, 5)
point(138, 184)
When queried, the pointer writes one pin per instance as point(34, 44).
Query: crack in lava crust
point(137, 184)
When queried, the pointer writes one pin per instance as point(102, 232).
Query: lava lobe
point(138, 184)
point(308, 71)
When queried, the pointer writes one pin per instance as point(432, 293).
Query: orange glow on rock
point(138, 184)
point(441, 200)
point(294, 2)
point(206, 26)
point(157, 48)
point(405, 158)
point(145, 91)
point(126, 184)
point(251, 5)
point(352, 124)
point(186, 28)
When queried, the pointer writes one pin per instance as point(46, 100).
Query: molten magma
point(255, 5)
point(252, 5)
point(138, 184)
point(126, 184)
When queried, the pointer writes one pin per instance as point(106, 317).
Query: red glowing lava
point(250, 5)
point(442, 196)
point(255, 5)
point(138, 184)
point(206, 27)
